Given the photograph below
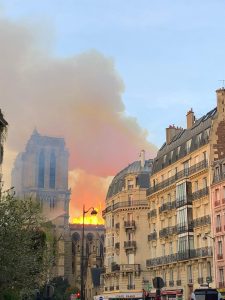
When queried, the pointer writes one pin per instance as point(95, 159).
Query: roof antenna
point(223, 80)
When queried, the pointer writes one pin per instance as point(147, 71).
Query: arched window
point(41, 169)
point(52, 171)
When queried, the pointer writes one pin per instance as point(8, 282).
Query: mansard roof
point(143, 174)
point(168, 153)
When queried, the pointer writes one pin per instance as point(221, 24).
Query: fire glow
point(94, 220)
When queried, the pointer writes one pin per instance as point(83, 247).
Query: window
point(181, 193)
point(188, 146)
point(199, 137)
point(209, 269)
point(41, 170)
point(221, 275)
point(130, 184)
point(171, 274)
point(217, 194)
point(171, 248)
point(204, 182)
point(186, 166)
point(220, 248)
point(218, 221)
point(182, 219)
point(196, 186)
point(52, 171)
point(200, 270)
point(189, 271)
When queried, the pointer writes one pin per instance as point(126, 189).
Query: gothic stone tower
point(41, 172)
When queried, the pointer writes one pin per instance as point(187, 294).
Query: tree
point(24, 252)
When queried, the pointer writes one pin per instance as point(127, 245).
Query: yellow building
point(180, 205)
point(126, 225)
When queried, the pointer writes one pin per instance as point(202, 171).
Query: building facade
point(180, 217)
point(218, 222)
point(41, 172)
point(126, 222)
point(93, 257)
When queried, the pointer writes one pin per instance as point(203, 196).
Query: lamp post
point(93, 212)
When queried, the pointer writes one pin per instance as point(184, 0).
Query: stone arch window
point(41, 169)
point(52, 171)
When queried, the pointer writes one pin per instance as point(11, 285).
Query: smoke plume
point(79, 98)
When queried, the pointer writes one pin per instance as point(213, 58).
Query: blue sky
point(170, 54)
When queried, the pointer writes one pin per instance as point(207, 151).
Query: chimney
point(142, 158)
point(220, 100)
point(171, 131)
point(190, 118)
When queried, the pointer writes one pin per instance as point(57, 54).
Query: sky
point(120, 71)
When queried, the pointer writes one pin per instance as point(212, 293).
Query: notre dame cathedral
point(41, 172)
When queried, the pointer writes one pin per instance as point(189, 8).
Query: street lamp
point(93, 212)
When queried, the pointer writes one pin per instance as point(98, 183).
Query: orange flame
point(91, 219)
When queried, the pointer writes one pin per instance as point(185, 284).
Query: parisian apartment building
point(166, 217)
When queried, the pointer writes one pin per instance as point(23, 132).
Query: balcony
point(129, 225)
point(130, 245)
point(200, 193)
point(131, 287)
point(217, 203)
point(180, 256)
point(219, 256)
point(206, 220)
point(133, 203)
point(200, 280)
point(219, 177)
point(221, 284)
point(165, 232)
point(184, 173)
point(178, 282)
point(187, 199)
point(130, 268)
point(171, 283)
point(152, 236)
point(115, 267)
point(167, 206)
point(184, 228)
point(117, 245)
point(152, 213)
point(218, 229)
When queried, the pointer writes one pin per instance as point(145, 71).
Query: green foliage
point(60, 287)
point(24, 253)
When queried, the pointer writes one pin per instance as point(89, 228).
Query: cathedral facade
point(41, 172)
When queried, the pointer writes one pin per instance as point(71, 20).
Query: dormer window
point(130, 184)
point(188, 146)
point(199, 137)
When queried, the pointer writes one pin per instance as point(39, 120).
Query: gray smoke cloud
point(79, 98)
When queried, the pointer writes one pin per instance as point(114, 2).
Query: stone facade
point(180, 217)
point(126, 224)
point(41, 172)
point(93, 256)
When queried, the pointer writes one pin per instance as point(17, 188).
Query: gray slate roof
point(181, 138)
point(143, 174)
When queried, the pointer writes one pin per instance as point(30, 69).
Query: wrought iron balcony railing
point(200, 193)
point(219, 256)
point(152, 213)
point(115, 267)
point(152, 236)
point(129, 225)
point(130, 245)
point(131, 287)
point(117, 245)
point(180, 256)
point(128, 268)
point(206, 220)
point(178, 282)
point(179, 175)
point(133, 203)
point(222, 284)
point(167, 206)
